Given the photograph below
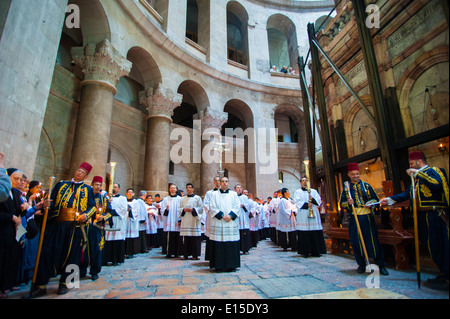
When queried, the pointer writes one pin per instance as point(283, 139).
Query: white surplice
point(207, 212)
point(285, 215)
point(273, 209)
point(133, 219)
point(305, 223)
point(152, 212)
point(191, 225)
point(120, 205)
point(170, 222)
point(222, 231)
point(244, 220)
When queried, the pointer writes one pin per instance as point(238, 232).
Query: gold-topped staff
point(416, 228)
point(358, 228)
point(111, 178)
point(308, 183)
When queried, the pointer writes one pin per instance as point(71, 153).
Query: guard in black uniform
point(72, 204)
point(432, 192)
point(361, 196)
point(95, 231)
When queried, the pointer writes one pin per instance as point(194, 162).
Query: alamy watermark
point(373, 280)
point(73, 17)
point(373, 19)
point(73, 279)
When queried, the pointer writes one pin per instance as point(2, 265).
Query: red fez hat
point(86, 166)
point(97, 179)
point(352, 167)
point(417, 155)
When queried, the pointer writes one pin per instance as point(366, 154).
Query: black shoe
point(361, 269)
point(439, 285)
point(62, 289)
point(439, 278)
point(37, 292)
point(94, 277)
point(383, 271)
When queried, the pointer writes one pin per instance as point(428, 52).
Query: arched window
point(192, 20)
point(237, 34)
point(283, 44)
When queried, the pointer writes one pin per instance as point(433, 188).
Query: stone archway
point(411, 75)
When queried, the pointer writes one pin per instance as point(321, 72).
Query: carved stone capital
point(212, 118)
point(160, 102)
point(101, 63)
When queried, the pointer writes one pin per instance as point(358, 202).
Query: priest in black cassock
point(224, 234)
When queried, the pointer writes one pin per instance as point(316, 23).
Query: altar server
point(190, 212)
point(224, 235)
point(309, 229)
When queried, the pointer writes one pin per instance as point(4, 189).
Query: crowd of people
point(90, 228)
point(283, 69)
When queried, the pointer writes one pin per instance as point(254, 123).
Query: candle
point(306, 162)
point(111, 179)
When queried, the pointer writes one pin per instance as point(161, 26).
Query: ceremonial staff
point(416, 228)
point(41, 238)
point(358, 227)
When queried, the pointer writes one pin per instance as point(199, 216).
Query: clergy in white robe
point(132, 236)
point(260, 218)
point(286, 221)
point(114, 251)
point(207, 214)
point(254, 221)
point(159, 224)
point(224, 234)
point(143, 222)
point(152, 229)
point(266, 220)
point(273, 208)
point(244, 220)
point(309, 230)
point(190, 212)
point(169, 209)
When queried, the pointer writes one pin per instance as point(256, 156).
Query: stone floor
point(267, 272)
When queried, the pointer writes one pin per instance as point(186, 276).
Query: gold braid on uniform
point(428, 178)
point(444, 183)
point(91, 213)
point(84, 201)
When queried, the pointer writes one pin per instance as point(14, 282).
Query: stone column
point(102, 67)
point(212, 120)
point(160, 103)
point(29, 39)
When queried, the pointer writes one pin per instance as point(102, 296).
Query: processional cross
point(220, 147)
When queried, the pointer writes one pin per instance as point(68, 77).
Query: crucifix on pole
point(220, 147)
